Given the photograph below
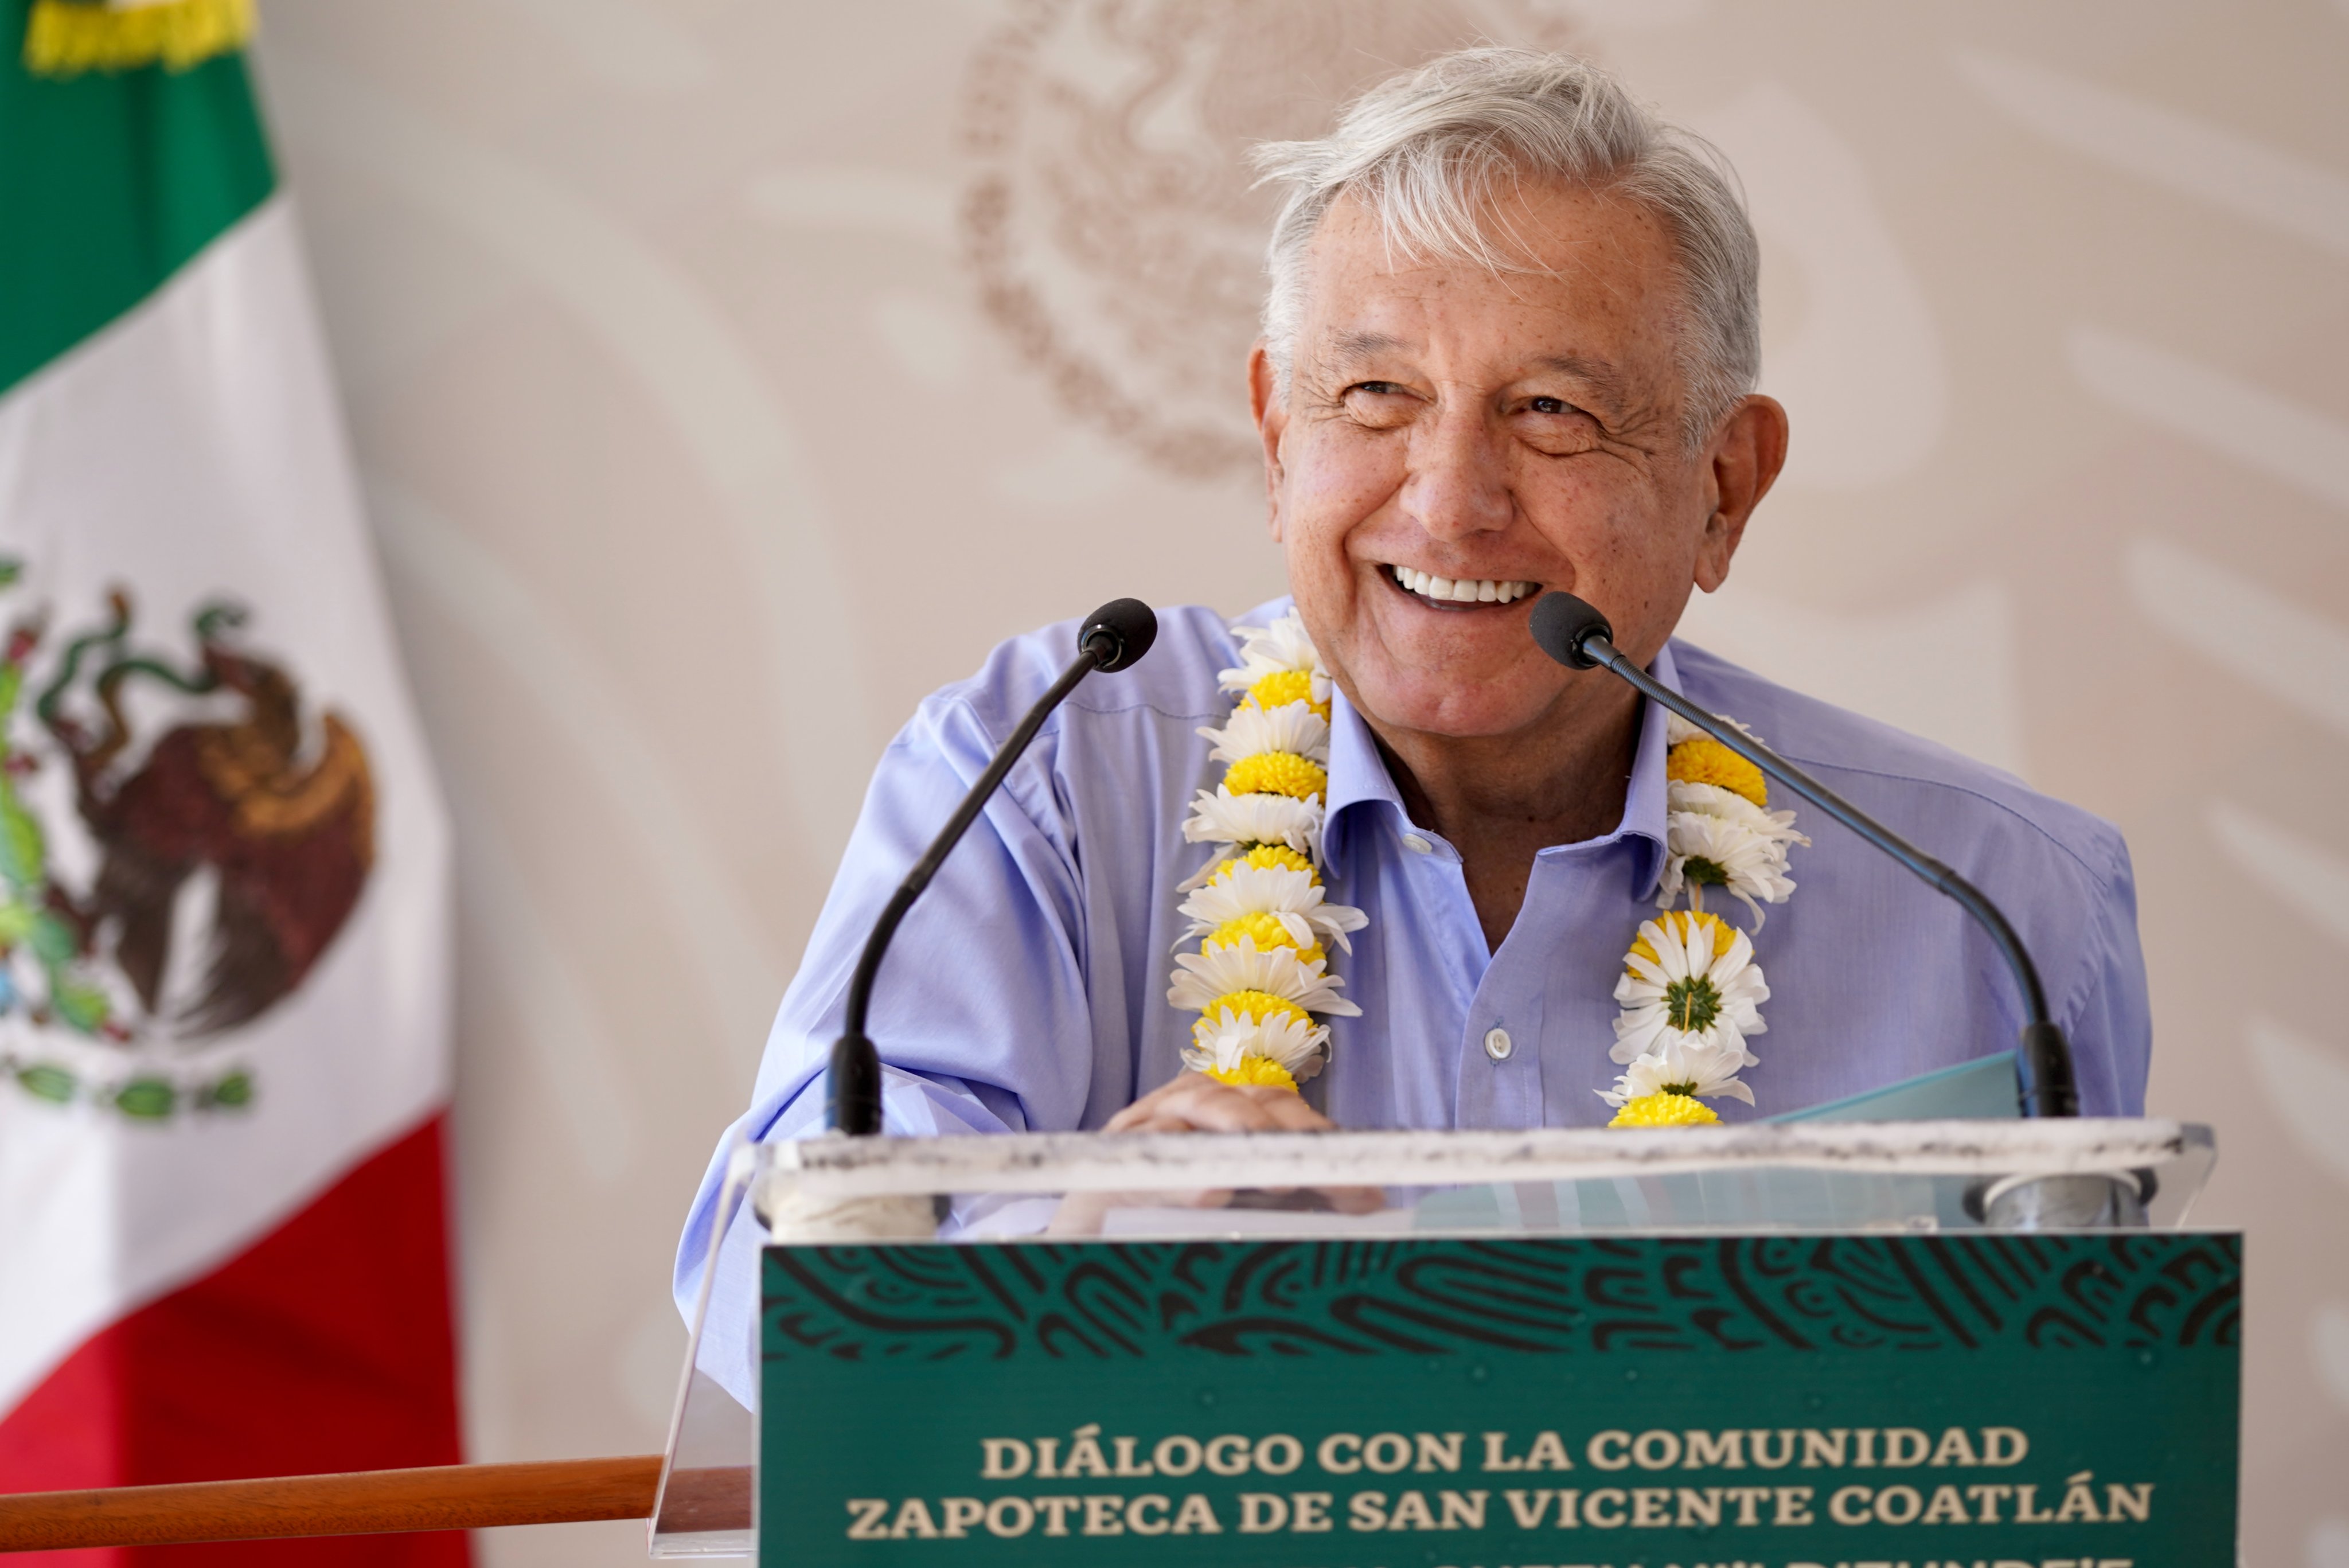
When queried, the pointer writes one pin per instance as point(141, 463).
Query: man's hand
point(1193, 1102)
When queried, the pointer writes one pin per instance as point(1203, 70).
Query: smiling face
point(1454, 442)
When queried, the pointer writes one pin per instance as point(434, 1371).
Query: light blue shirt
point(1026, 991)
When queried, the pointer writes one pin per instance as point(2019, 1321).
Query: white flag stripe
point(192, 452)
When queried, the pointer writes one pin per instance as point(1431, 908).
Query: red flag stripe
point(324, 1346)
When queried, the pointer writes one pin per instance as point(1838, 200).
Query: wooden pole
point(371, 1502)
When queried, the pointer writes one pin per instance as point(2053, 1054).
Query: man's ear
point(1271, 414)
point(1745, 459)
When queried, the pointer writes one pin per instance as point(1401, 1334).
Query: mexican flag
point(224, 864)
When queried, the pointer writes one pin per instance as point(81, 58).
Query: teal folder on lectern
point(1822, 1341)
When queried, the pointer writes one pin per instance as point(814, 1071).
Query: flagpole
point(368, 1503)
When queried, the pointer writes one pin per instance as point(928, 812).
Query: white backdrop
point(726, 375)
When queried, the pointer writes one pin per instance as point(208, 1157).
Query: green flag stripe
point(108, 183)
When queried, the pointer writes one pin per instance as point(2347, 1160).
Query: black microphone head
point(1119, 632)
point(1562, 624)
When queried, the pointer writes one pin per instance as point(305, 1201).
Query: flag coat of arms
point(224, 864)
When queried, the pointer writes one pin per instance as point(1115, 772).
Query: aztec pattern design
point(1560, 1296)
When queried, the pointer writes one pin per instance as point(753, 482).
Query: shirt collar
point(1360, 784)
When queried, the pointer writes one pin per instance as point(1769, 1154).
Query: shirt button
point(1417, 845)
point(1497, 1044)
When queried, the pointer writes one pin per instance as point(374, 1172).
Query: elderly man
point(1510, 346)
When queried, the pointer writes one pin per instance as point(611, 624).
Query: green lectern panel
point(2012, 1402)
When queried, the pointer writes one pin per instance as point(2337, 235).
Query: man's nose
point(1459, 481)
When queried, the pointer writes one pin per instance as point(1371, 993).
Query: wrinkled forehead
point(1553, 271)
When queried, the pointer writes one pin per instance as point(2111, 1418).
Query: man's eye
point(1551, 406)
point(1380, 405)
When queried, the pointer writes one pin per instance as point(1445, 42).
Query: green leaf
point(23, 853)
point(79, 1005)
point(234, 1091)
point(45, 1081)
point(149, 1099)
point(15, 921)
point(51, 939)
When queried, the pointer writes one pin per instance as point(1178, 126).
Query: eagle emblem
point(223, 836)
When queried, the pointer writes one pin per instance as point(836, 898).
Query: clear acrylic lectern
point(1900, 1177)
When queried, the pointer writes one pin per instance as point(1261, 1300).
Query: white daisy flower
point(1291, 727)
point(1244, 967)
point(1243, 679)
point(1283, 892)
point(1686, 795)
point(1684, 1067)
point(1223, 817)
point(1224, 1044)
point(1202, 877)
point(1283, 645)
point(1677, 729)
point(1702, 986)
point(1716, 838)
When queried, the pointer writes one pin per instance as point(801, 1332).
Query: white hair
point(1429, 150)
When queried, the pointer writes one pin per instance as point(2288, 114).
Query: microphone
point(1112, 638)
point(1574, 633)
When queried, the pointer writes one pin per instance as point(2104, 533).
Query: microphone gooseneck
point(1574, 633)
point(1112, 639)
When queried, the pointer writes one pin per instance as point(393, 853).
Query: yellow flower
point(1264, 858)
point(1253, 1006)
point(1204, 980)
point(1706, 761)
point(1233, 1048)
point(1282, 687)
point(1256, 1070)
point(1683, 924)
point(1288, 897)
point(1664, 1110)
point(1277, 773)
point(1269, 933)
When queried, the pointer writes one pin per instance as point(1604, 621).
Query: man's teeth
point(1466, 590)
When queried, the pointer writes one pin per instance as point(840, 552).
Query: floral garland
point(1262, 968)
point(1690, 992)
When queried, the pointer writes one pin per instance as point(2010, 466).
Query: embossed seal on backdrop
point(1111, 221)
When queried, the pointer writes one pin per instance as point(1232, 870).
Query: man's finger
point(1290, 1112)
point(1224, 1111)
point(1193, 1102)
point(1210, 1106)
point(1133, 1118)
